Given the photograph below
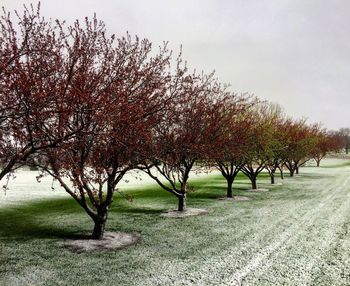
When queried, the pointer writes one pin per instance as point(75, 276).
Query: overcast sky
point(293, 52)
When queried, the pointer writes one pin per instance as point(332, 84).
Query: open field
point(296, 234)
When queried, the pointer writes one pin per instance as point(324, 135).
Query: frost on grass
point(110, 241)
point(257, 190)
point(235, 198)
point(185, 213)
point(277, 184)
point(33, 275)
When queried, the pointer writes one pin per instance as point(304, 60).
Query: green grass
point(286, 223)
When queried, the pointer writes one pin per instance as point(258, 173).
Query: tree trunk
point(318, 162)
point(297, 170)
point(291, 172)
point(181, 203)
point(346, 150)
point(7, 168)
point(281, 172)
point(272, 176)
point(99, 228)
point(253, 180)
point(229, 188)
point(182, 197)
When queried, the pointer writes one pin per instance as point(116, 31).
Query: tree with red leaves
point(118, 92)
point(326, 142)
point(187, 130)
point(301, 139)
point(226, 152)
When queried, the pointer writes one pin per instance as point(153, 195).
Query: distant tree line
point(89, 107)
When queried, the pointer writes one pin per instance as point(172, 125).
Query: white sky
point(293, 52)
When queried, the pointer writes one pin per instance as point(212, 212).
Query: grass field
point(296, 234)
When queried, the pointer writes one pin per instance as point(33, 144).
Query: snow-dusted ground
point(297, 255)
point(295, 234)
point(289, 242)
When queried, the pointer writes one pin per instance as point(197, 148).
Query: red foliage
point(326, 142)
point(34, 106)
point(227, 151)
point(301, 139)
point(188, 129)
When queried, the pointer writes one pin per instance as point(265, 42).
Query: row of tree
point(89, 107)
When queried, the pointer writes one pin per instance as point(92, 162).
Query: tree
point(260, 146)
point(226, 152)
point(118, 92)
point(188, 127)
point(326, 142)
point(301, 140)
point(278, 147)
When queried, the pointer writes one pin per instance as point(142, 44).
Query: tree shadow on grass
point(37, 220)
point(212, 191)
point(30, 228)
point(133, 209)
point(59, 218)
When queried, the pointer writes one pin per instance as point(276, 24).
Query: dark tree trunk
point(100, 220)
point(181, 203)
point(346, 150)
point(7, 169)
point(229, 187)
point(291, 172)
point(253, 180)
point(281, 173)
point(182, 196)
point(272, 176)
point(318, 162)
point(99, 228)
point(297, 170)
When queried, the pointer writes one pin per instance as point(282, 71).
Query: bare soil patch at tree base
point(186, 213)
point(257, 190)
point(110, 241)
point(235, 198)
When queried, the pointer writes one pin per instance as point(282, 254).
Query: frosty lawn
point(295, 234)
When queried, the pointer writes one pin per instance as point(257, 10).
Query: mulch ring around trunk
point(186, 213)
point(110, 241)
point(235, 198)
point(257, 190)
